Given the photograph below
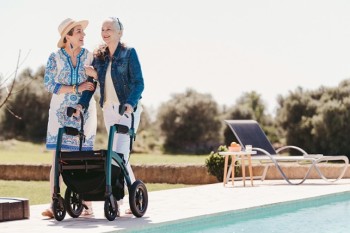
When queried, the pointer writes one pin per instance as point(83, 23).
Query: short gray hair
point(118, 25)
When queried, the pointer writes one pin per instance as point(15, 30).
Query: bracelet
point(73, 88)
point(76, 89)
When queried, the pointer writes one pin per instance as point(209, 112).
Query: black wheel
point(110, 214)
point(58, 208)
point(138, 198)
point(74, 204)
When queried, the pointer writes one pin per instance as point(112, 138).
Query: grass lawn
point(14, 151)
point(38, 192)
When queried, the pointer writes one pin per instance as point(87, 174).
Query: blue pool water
point(323, 214)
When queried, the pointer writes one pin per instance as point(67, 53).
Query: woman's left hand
point(129, 109)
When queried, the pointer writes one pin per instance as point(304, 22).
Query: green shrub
point(215, 163)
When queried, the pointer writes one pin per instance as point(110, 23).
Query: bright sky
point(221, 47)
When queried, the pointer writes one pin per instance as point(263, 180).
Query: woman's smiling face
point(77, 39)
point(110, 33)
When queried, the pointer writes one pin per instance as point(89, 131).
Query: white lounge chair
point(248, 132)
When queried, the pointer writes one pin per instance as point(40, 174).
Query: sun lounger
point(248, 132)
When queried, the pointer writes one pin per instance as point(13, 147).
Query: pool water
point(323, 214)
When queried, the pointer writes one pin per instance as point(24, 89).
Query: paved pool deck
point(177, 204)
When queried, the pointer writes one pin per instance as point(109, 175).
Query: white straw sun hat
point(66, 26)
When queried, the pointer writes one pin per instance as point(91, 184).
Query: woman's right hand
point(78, 109)
point(90, 71)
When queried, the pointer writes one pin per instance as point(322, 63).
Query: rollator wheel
point(59, 209)
point(138, 198)
point(110, 214)
point(74, 203)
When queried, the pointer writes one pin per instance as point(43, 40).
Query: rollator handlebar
point(122, 109)
point(70, 111)
point(123, 129)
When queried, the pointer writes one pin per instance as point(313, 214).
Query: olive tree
point(317, 121)
point(28, 108)
point(190, 123)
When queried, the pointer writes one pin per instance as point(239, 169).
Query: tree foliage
point(28, 108)
point(317, 121)
point(148, 136)
point(190, 123)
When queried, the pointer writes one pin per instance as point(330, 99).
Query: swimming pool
point(322, 214)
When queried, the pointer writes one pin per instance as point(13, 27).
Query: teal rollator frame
point(91, 176)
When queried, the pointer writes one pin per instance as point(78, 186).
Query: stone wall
point(173, 174)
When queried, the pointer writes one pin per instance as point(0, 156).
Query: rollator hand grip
point(123, 129)
point(70, 111)
point(122, 109)
point(71, 131)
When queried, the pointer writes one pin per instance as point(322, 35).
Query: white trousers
point(121, 143)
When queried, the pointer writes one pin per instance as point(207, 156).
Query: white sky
point(221, 47)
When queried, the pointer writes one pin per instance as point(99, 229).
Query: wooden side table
point(234, 155)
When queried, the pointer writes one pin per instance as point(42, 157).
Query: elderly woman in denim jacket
point(118, 71)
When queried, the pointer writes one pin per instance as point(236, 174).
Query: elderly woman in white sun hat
point(66, 78)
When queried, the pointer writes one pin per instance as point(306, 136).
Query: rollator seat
point(84, 173)
point(86, 155)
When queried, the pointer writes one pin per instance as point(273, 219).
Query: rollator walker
point(91, 176)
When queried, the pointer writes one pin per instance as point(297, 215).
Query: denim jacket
point(126, 76)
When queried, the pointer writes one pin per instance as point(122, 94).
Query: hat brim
point(83, 23)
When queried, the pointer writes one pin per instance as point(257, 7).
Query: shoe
point(47, 213)
point(87, 212)
point(128, 211)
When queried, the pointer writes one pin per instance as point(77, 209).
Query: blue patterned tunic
point(60, 71)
